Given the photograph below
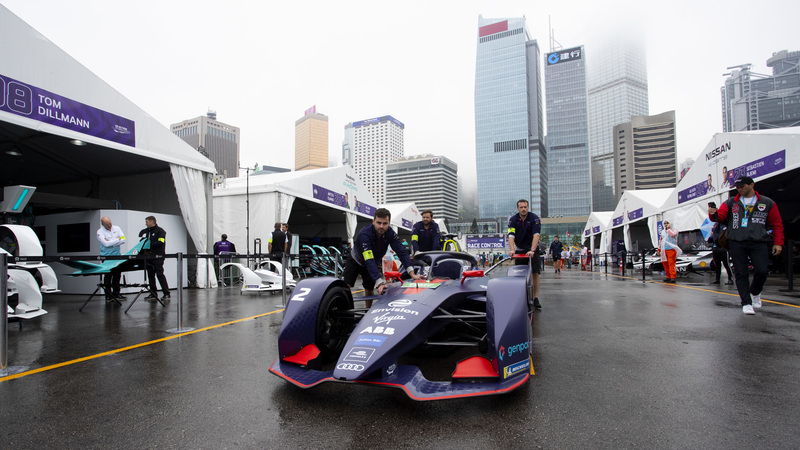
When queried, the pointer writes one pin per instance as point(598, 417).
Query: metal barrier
point(4, 367)
point(180, 328)
point(643, 267)
point(789, 245)
point(4, 315)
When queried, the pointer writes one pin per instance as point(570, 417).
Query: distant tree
point(576, 240)
point(474, 228)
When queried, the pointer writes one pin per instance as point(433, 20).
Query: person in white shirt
point(566, 256)
point(111, 238)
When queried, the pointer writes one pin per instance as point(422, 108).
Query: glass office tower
point(568, 160)
point(617, 91)
point(509, 146)
point(752, 101)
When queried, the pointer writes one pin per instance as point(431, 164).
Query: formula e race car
point(325, 338)
point(267, 278)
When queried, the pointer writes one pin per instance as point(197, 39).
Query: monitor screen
point(74, 237)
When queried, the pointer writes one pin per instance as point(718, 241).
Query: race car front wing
point(408, 378)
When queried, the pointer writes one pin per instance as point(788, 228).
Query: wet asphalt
point(618, 364)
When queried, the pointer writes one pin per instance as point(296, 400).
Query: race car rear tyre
point(333, 324)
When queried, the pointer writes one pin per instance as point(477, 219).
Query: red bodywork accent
point(470, 274)
point(493, 28)
point(392, 275)
point(306, 354)
point(475, 367)
point(413, 290)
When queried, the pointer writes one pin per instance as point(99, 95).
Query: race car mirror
point(470, 274)
point(392, 275)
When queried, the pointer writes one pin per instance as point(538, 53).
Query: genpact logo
point(502, 352)
point(518, 348)
point(353, 367)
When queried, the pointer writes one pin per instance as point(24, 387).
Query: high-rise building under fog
point(617, 75)
point(376, 142)
point(510, 153)
point(215, 140)
point(568, 159)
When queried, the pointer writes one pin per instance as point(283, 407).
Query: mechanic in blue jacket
point(425, 234)
point(523, 239)
point(375, 240)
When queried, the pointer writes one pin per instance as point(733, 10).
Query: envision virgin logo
point(353, 367)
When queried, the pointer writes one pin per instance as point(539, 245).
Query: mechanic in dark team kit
point(156, 245)
point(374, 240)
point(523, 239)
point(425, 234)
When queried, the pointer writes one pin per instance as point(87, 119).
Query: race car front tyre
point(334, 324)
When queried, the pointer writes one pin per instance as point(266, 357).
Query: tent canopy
point(636, 205)
point(321, 203)
point(404, 215)
point(83, 144)
point(761, 155)
point(597, 223)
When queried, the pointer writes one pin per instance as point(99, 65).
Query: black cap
point(741, 181)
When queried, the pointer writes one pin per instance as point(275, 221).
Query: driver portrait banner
point(35, 103)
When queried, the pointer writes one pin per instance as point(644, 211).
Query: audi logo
point(353, 367)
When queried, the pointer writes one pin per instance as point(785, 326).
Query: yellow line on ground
point(696, 289)
point(131, 347)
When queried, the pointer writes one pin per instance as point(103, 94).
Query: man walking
point(556, 247)
point(523, 239)
point(719, 254)
point(750, 217)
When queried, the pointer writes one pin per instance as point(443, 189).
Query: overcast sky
point(260, 65)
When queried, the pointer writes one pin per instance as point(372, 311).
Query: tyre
point(334, 323)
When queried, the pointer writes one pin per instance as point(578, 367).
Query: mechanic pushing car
point(523, 239)
point(374, 240)
point(425, 235)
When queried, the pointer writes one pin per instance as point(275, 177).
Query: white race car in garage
point(27, 280)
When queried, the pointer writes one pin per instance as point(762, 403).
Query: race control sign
point(486, 241)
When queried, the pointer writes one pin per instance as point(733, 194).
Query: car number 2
point(301, 295)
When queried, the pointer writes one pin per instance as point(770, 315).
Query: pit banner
point(486, 241)
point(35, 103)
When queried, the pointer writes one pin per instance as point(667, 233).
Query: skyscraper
point(509, 128)
point(645, 153)
point(752, 101)
point(218, 141)
point(617, 91)
point(376, 142)
point(435, 181)
point(311, 141)
point(568, 160)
